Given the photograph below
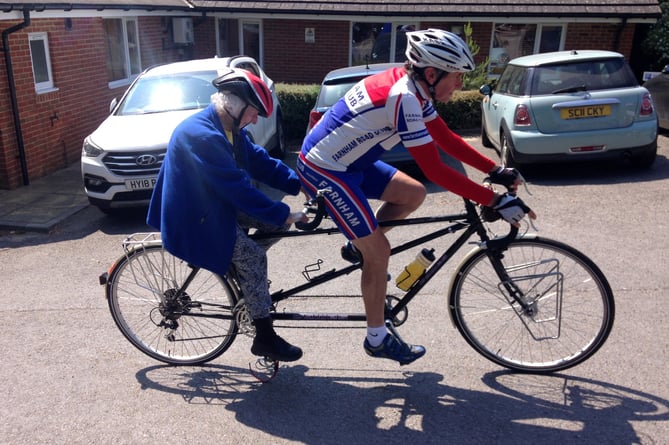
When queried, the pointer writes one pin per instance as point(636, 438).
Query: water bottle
point(414, 270)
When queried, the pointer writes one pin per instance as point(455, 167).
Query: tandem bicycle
point(525, 302)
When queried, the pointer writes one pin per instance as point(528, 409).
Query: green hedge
point(462, 112)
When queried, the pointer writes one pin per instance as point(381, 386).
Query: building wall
point(54, 124)
point(600, 36)
point(288, 58)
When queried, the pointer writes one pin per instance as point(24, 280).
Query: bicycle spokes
point(536, 298)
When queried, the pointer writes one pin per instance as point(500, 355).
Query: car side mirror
point(665, 70)
point(486, 90)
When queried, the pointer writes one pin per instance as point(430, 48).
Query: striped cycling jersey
point(373, 116)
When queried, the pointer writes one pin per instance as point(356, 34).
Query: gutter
point(12, 91)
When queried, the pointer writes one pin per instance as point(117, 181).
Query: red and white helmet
point(248, 87)
point(439, 49)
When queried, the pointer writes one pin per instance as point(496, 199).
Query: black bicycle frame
point(469, 222)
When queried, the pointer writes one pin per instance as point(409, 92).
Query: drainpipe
point(12, 91)
point(619, 33)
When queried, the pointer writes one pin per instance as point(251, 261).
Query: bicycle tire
point(571, 300)
point(195, 328)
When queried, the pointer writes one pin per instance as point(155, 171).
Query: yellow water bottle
point(414, 270)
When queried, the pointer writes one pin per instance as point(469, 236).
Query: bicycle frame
point(150, 298)
point(468, 221)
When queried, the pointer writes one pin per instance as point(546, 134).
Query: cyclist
point(204, 201)
point(342, 152)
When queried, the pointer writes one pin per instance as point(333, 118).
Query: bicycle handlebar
point(315, 206)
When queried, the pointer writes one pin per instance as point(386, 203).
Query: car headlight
point(90, 149)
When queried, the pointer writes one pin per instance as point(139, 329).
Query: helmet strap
point(237, 120)
point(434, 84)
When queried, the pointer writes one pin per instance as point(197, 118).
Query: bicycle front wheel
point(566, 313)
point(173, 325)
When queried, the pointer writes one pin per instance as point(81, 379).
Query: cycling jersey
point(376, 114)
point(342, 151)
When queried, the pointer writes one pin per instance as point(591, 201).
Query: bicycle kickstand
point(265, 369)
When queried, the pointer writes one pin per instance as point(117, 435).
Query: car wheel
point(279, 149)
point(485, 140)
point(644, 159)
point(506, 151)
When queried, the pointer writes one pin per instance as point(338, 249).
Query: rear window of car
point(334, 89)
point(587, 75)
point(513, 81)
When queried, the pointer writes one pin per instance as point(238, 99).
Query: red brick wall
point(54, 124)
point(287, 58)
point(600, 36)
point(204, 30)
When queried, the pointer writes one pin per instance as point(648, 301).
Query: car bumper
point(533, 146)
point(107, 191)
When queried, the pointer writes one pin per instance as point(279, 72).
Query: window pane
point(375, 43)
point(133, 47)
point(228, 40)
point(550, 38)
point(510, 41)
point(39, 60)
point(251, 38)
point(364, 37)
point(115, 49)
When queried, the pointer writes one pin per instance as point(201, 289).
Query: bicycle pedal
point(265, 369)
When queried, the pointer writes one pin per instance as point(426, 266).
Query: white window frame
point(46, 85)
point(242, 42)
point(392, 40)
point(129, 75)
point(536, 44)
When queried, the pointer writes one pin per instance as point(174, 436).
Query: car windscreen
point(157, 94)
point(588, 75)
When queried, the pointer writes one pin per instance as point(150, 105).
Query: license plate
point(585, 112)
point(140, 183)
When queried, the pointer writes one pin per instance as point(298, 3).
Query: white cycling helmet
point(439, 49)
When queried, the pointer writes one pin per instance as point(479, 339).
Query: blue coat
point(200, 188)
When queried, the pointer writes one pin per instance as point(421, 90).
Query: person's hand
point(507, 177)
point(294, 217)
point(512, 209)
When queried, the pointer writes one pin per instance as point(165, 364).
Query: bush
point(462, 112)
point(296, 103)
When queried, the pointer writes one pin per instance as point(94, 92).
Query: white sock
point(376, 335)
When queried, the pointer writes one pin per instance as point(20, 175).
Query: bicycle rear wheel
point(569, 309)
point(181, 328)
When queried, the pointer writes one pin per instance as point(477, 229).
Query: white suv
point(120, 160)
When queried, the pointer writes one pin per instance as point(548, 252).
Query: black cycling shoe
point(276, 348)
point(350, 253)
point(267, 344)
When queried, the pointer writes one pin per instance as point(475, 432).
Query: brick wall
point(600, 36)
point(54, 124)
point(288, 58)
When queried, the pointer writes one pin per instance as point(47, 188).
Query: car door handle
point(494, 105)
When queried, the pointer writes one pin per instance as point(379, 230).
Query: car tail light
point(314, 117)
point(646, 105)
point(522, 116)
